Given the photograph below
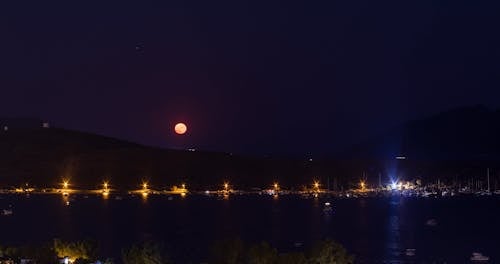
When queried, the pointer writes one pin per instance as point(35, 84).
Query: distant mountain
point(457, 143)
point(44, 156)
point(468, 133)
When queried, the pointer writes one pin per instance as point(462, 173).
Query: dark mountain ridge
point(457, 143)
point(467, 133)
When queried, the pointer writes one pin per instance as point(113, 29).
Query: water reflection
point(144, 196)
point(377, 230)
point(393, 243)
point(66, 200)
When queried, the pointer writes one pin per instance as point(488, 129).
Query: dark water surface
point(376, 230)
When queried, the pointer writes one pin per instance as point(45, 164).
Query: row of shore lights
point(145, 187)
point(183, 190)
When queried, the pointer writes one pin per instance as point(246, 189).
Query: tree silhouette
point(329, 252)
point(262, 253)
point(229, 251)
point(146, 253)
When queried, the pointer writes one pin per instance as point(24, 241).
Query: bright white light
point(394, 185)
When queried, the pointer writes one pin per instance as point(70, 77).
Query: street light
point(105, 190)
point(65, 184)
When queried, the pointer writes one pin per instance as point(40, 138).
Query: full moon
point(180, 128)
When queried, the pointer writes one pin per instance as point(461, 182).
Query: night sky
point(263, 77)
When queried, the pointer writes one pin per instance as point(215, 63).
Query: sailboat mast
point(488, 176)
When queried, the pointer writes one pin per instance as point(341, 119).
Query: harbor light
point(362, 184)
point(276, 186)
point(226, 186)
point(145, 190)
point(183, 190)
point(105, 190)
point(396, 185)
point(65, 184)
point(316, 186)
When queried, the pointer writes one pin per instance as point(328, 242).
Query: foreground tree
point(292, 258)
point(330, 252)
point(146, 253)
point(262, 253)
point(80, 250)
point(43, 254)
point(229, 251)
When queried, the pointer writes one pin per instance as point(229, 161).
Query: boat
point(479, 257)
point(431, 222)
point(7, 212)
point(328, 207)
point(410, 252)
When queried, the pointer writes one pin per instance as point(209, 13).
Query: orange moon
point(180, 128)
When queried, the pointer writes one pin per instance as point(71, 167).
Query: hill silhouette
point(45, 156)
point(459, 143)
point(467, 133)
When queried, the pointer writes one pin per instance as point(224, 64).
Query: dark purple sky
point(265, 77)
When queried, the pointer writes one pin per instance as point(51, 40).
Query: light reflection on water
point(375, 229)
point(393, 230)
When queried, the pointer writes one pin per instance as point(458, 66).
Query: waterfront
point(374, 229)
